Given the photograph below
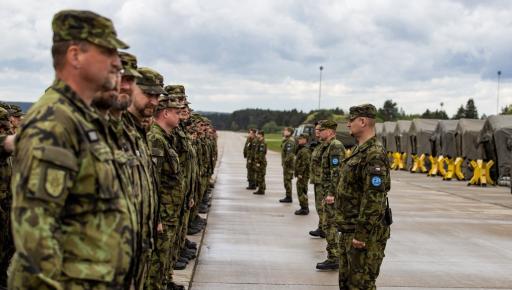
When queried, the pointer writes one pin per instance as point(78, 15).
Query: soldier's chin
point(148, 112)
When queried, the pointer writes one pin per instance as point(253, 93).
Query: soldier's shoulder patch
point(376, 181)
point(55, 181)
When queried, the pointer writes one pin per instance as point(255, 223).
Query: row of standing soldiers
point(350, 193)
point(108, 172)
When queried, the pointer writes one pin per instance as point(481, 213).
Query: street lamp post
point(498, 95)
point(320, 87)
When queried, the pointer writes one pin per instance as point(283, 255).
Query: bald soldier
point(362, 206)
point(67, 191)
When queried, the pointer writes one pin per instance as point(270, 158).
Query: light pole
point(320, 87)
point(498, 95)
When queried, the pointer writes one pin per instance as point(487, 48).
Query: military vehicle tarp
point(466, 138)
point(389, 136)
point(444, 138)
point(420, 135)
point(496, 142)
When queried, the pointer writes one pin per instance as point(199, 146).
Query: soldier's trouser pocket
point(364, 265)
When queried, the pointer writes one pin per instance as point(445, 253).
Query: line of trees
point(390, 112)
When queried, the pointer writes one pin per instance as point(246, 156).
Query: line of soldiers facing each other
point(110, 170)
point(350, 194)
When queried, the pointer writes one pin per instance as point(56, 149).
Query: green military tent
point(379, 129)
point(420, 135)
point(444, 138)
point(466, 143)
point(496, 144)
point(344, 136)
point(389, 136)
point(402, 136)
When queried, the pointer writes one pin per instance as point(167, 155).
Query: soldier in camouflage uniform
point(316, 180)
point(288, 162)
point(170, 191)
point(361, 202)
point(16, 114)
point(73, 224)
point(302, 164)
point(260, 161)
point(248, 150)
point(6, 243)
point(331, 159)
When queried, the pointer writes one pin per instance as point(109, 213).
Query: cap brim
point(112, 43)
point(154, 90)
point(131, 72)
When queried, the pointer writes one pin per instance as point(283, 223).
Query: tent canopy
point(466, 138)
point(402, 136)
point(344, 136)
point(444, 138)
point(420, 135)
point(496, 142)
point(389, 136)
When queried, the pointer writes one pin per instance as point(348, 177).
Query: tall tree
point(461, 113)
point(471, 111)
point(389, 111)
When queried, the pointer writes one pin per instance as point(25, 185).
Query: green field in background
point(274, 141)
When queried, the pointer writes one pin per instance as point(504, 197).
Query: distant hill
point(23, 105)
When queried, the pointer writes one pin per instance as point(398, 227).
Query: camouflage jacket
point(288, 153)
point(247, 147)
point(71, 214)
point(331, 160)
point(167, 166)
point(5, 172)
point(182, 144)
point(302, 162)
point(362, 190)
point(260, 153)
point(316, 163)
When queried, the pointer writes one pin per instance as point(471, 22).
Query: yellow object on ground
point(458, 168)
point(435, 166)
point(481, 173)
point(418, 164)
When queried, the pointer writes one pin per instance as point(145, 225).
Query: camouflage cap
point(328, 124)
point(4, 114)
point(85, 25)
point(15, 111)
point(177, 91)
point(303, 136)
point(165, 102)
point(365, 110)
point(129, 62)
point(150, 81)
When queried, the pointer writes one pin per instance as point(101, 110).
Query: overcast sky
point(234, 54)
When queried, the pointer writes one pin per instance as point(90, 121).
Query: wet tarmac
point(445, 236)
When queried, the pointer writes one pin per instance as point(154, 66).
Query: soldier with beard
point(67, 186)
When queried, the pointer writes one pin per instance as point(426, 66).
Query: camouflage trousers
point(330, 230)
point(287, 180)
point(162, 261)
point(359, 268)
point(182, 232)
point(302, 192)
point(319, 204)
point(251, 175)
point(142, 271)
point(6, 242)
point(260, 173)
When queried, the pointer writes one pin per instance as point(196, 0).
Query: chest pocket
point(351, 171)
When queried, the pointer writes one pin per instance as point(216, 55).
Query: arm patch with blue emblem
point(335, 160)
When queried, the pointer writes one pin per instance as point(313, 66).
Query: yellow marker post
point(418, 164)
point(434, 165)
point(450, 169)
point(481, 173)
point(458, 168)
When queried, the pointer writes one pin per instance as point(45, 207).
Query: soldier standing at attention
point(170, 192)
point(6, 243)
point(288, 162)
point(316, 180)
point(331, 159)
point(247, 153)
point(302, 173)
point(361, 202)
point(66, 186)
point(260, 162)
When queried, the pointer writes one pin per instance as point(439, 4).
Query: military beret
point(4, 114)
point(129, 62)
point(85, 25)
point(328, 124)
point(165, 102)
point(150, 81)
point(365, 110)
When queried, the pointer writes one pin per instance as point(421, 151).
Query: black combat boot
point(327, 265)
point(302, 211)
point(317, 233)
point(259, 192)
point(286, 199)
point(193, 230)
point(191, 245)
point(174, 286)
point(189, 254)
point(180, 265)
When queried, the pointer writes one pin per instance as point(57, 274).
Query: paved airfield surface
point(445, 236)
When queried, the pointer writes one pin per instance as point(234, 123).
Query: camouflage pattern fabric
point(260, 163)
point(288, 163)
point(361, 203)
point(6, 242)
point(315, 176)
point(85, 25)
point(331, 161)
point(72, 220)
point(302, 170)
point(170, 193)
